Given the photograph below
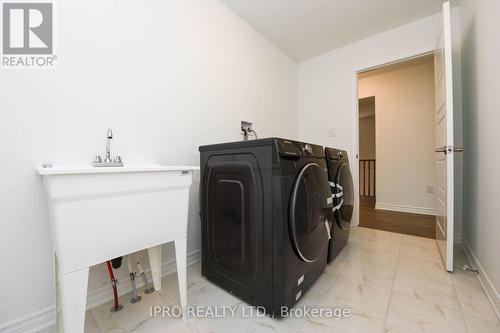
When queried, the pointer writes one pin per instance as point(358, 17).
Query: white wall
point(167, 76)
point(327, 85)
point(404, 103)
point(480, 54)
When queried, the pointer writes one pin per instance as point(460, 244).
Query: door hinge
point(449, 149)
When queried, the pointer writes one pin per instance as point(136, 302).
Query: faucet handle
point(98, 159)
point(118, 159)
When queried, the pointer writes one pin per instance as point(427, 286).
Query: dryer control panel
point(299, 149)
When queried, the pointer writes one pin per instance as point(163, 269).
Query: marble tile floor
point(389, 282)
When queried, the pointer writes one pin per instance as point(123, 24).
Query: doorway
point(367, 152)
point(396, 144)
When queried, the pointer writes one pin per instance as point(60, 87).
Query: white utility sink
point(100, 213)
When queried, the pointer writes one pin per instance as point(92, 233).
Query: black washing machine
point(264, 207)
point(339, 175)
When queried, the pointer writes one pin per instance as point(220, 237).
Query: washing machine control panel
point(297, 149)
point(307, 149)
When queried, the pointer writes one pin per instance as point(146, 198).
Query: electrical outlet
point(245, 126)
point(246, 129)
point(429, 188)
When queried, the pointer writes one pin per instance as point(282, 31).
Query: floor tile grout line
point(95, 320)
point(431, 278)
point(460, 310)
point(427, 301)
point(452, 283)
point(482, 319)
point(397, 261)
point(480, 291)
point(420, 244)
point(460, 305)
point(423, 247)
point(392, 287)
point(339, 272)
point(428, 260)
point(348, 260)
point(163, 298)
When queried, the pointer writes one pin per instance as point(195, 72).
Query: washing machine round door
point(344, 198)
point(309, 206)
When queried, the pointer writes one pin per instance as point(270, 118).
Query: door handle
point(441, 150)
point(448, 149)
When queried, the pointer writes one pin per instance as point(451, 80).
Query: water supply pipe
point(135, 298)
point(147, 286)
point(117, 307)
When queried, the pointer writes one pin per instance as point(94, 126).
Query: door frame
point(355, 125)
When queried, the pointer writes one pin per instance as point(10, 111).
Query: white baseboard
point(405, 209)
point(31, 323)
point(45, 318)
point(484, 280)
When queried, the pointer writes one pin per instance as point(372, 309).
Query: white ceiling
point(306, 28)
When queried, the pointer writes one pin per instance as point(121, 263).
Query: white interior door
point(444, 140)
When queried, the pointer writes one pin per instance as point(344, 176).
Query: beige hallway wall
point(404, 103)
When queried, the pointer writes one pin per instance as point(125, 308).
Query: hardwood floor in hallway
point(403, 223)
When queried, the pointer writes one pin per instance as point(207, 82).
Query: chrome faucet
point(108, 161)
point(108, 146)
